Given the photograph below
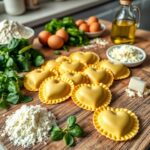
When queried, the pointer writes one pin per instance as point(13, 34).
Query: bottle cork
point(125, 2)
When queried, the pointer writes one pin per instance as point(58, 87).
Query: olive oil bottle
point(125, 23)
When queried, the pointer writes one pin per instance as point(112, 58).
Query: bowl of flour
point(13, 30)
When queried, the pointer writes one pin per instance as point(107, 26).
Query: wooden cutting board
point(93, 140)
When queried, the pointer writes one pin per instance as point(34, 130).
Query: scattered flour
point(29, 125)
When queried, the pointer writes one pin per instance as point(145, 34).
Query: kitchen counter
point(94, 140)
point(49, 10)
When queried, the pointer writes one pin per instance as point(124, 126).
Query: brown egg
point(55, 42)
point(43, 37)
point(63, 34)
point(92, 19)
point(79, 22)
point(84, 27)
point(95, 27)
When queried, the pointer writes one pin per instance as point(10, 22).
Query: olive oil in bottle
point(125, 23)
point(123, 31)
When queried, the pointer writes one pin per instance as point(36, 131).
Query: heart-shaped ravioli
point(88, 58)
point(116, 123)
point(91, 96)
point(61, 59)
point(76, 77)
point(119, 70)
point(34, 78)
point(51, 64)
point(54, 90)
point(69, 66)
point(99, 76)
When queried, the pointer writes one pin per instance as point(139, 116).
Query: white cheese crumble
point(99, 41)
point(29, 125)
point(133, 94)
point(126, 54)
point(11, 29)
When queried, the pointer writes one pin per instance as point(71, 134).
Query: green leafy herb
point(57, 52)
point(68, 134)
point(76, 131)
point(76, 36)
point(26, 98)
point(57, 135)
point(17, 56)
point(71, 121)
point(68, 139)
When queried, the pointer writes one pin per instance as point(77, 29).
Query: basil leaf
point(55, 128)
point(26, 98)
point(71, 121)
point(57, 52)
point(68, 139)
point(76, 131)
point(13, 98)
point(56, 135)
point(39, 60)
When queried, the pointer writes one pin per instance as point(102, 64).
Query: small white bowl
point(96, 34)
point(32, 33)
point(128, 64)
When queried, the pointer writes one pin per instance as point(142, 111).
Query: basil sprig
point(69, 133)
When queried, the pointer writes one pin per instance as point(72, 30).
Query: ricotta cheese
point(12, 29)
point(29, 125)
point(126, 54)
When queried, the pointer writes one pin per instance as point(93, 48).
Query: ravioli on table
point(91, 96)
point(34, 78)
point(54, 90)
point(118, 124)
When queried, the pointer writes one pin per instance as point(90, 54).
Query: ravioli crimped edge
point(59, 100)
point(128, 136)
point(78, 103)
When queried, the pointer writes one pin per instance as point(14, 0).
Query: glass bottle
point(125, 23)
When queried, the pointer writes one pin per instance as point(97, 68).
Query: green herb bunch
point(17, 56)
point(76, 36)
point(69, 133)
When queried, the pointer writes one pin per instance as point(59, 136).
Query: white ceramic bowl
point(128, 64)
point(32, 33)
point(96, 34)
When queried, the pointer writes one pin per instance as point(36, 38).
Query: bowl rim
point(32, 31)
point(126, 63)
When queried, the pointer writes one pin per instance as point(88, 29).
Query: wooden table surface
point(94, 140)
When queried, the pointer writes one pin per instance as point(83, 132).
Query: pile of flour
point(11, 29)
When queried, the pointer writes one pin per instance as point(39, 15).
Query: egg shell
point(95, 27)
point(63, 34)
point(92, 19)
point(55, 42)
point(84, 27)
point(43, 37)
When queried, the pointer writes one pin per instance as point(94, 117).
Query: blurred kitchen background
point(35, 13)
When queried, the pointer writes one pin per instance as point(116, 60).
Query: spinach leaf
point(13, 44)
point(13, 98)
point(25, 99)
point(39, 60)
